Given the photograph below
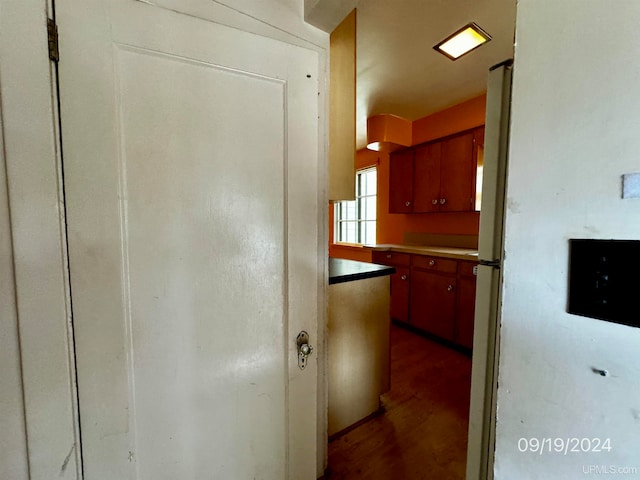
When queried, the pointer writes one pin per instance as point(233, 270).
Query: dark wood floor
point(422, 433)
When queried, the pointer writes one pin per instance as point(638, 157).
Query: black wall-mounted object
point(604, 280)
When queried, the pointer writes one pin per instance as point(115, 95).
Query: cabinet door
point(465, 310)
point(426, 180)
point(401, 182)
point(478, 165)
point(400, 294)
point(432, 303)
point(457, 174)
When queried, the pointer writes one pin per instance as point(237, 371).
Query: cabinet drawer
point(392, 259)
point(435, 264)
point(466, 269)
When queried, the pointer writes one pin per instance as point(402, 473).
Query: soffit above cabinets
point(398, 71)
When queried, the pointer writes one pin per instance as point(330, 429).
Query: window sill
point(348, 245)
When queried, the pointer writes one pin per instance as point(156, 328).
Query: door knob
point(304, 349)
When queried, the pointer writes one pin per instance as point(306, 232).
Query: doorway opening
point(377, 438)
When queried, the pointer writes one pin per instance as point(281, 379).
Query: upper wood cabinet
point(401, 176)
point(443, 175)
point(426, 179)
point(457, 174)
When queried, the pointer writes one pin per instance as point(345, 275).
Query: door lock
point(304, 349)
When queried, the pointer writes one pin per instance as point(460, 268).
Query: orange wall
point(462, 116)
point(391, 227)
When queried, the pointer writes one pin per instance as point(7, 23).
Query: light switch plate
point(604, 281)
point(631, 185)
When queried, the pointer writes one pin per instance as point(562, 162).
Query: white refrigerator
point(489, 277)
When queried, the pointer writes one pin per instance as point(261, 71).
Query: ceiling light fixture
point(468, 38)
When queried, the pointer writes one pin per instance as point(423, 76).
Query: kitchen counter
point(341, 270)
point(357, 341)
point(446, 252)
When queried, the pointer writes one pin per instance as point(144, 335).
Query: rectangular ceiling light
point(463, 41)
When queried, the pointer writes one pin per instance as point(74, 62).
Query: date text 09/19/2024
point(564, 446)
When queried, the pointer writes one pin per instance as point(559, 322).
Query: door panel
point(190, 174)
point(427, 178)
point(432, 303)
point(457, 173)
point(401, 182)
point(400, 294)
point(192, 219)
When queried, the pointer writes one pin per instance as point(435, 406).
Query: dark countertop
point(341, 270)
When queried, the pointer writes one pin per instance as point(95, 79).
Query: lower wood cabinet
point(399, 282)
point(433, 294)
point(400, 294)
point(432, 304)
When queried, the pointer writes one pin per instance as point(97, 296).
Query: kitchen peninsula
point(357, 340)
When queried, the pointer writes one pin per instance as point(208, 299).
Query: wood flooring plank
point(422, 433)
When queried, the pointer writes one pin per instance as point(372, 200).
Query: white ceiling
point(399, 72)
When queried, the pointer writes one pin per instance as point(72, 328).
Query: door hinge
point(52, 36)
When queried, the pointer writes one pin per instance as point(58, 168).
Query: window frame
point(362, 216)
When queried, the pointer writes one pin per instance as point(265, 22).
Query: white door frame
point(31, 156)
point(29, 127)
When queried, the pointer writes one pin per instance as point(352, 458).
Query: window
point(355, 220)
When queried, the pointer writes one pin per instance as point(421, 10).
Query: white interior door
point(190, 170)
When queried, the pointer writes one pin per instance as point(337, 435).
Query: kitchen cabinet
point(400, 294)
point(401, 182)
point(426, 178)
point(439, 176)
point(358, 363)
point(399, 305)
point(433, 294)
point(457, 174)
point(465, 304)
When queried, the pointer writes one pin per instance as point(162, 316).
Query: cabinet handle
point(403, 277)
point(450, 288)
point(434, 201)
point(443, 201)
point(407, 204)
point(388, 255)
point(432, 263)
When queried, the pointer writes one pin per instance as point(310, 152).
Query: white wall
point(575, 131)
point(13, 440)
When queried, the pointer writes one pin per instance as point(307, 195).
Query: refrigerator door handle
point(490, 263)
